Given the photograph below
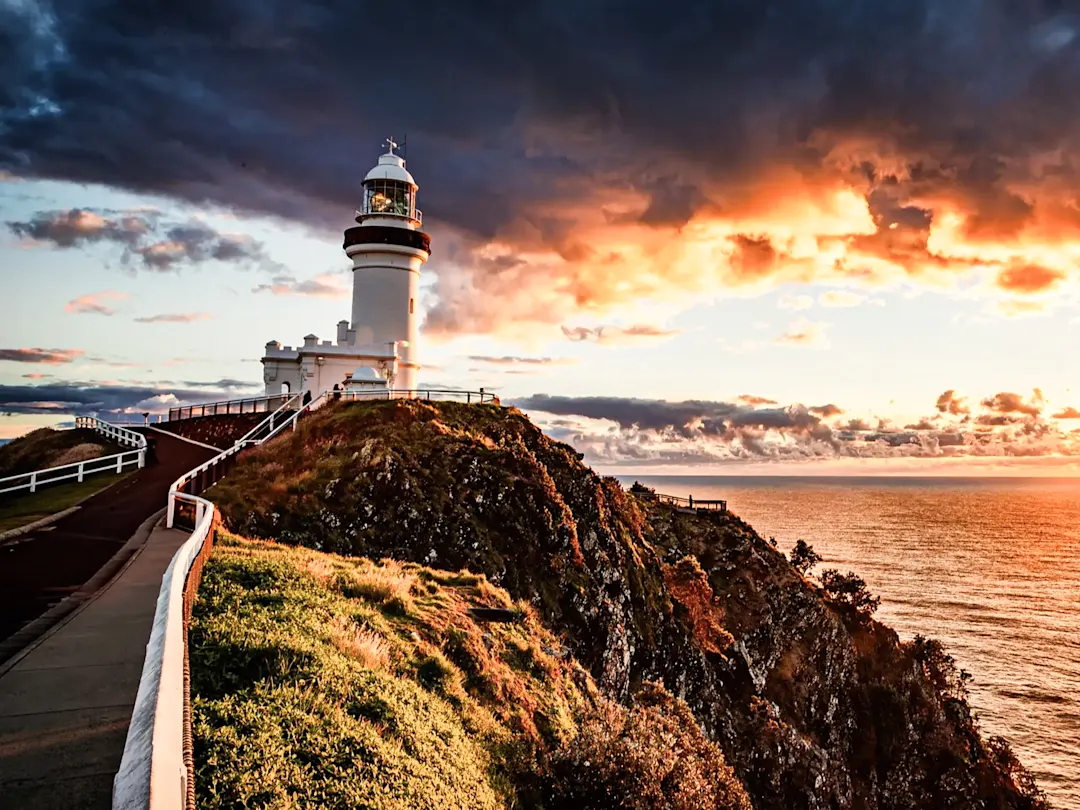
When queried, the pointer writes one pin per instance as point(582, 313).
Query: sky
point(781, 236)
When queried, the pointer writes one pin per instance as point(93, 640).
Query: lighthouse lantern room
point(387, 249)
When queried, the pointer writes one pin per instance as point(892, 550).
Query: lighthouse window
point(410, 306)
point(389, 197)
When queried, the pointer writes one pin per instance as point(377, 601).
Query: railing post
point(33, 482)
point(81, 463)
point(119, 463)
point(142, 458)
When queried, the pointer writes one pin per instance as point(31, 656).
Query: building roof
point(391, 167)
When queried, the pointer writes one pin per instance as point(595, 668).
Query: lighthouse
point(387, 250)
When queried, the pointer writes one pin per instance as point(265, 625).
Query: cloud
point(750, 399)
point(802, 332)
point(1028, 278)
point(96, 302)
point(177, 317)
point(795, 302)
point(145, 238)
point(89, 398)
point(846, 298)
point(949, 402)
point(522, 361)
point(1067, 413)
point(618, 430)
point(618, 335)
point(883, 146)
point(324, 285)
point(52, 357)
point(1007, 402)
point(826, 411)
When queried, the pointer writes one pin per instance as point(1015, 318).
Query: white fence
point(79, 470)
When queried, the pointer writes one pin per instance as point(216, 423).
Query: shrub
point(940, 668)
point(850, 591)
point(1000, 754)
point(690, 588)
point(651, 757)
point(804, 558)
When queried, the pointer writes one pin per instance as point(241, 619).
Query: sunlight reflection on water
point(989, 566)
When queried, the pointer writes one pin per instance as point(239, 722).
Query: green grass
point(19, 508)
point(324, 681)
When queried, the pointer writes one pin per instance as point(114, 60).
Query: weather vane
point(391, 143)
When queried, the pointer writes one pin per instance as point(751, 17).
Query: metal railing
point(426, 394)
point(80, 469)
point(228, 406)
point(683, 503)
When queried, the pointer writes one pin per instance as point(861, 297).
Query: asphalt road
point(39, 569)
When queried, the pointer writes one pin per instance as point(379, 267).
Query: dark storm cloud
point(275, 106)
point(706, 431)
point(82, 398)
point(144, 238)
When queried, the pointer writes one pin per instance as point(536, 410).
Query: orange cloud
point(949, 402)
point(802, 332)
point(179, 317)
point(52, 357)
point(1068, 413)
point(96, 302)
point(1028, 278)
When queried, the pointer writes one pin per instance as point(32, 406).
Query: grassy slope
point(812, 709)
point(46, 447)
point(322, 681)
point(27, 508)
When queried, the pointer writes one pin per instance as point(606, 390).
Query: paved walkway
point(65, 705)
point(39, 569)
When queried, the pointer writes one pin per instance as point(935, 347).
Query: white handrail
point(248, 437)
point(152, 771)
point(116, 462)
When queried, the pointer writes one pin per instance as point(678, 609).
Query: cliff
point(813, 704)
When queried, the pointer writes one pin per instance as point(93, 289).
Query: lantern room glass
point(389, 197)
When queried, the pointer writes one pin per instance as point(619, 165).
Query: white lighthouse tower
point(387, 249)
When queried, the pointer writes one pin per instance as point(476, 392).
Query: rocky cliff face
point(813, 705)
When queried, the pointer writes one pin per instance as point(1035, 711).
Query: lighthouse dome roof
point(368, 375)
point(391, 167)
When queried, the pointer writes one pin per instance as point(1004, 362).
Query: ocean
point(990, 566)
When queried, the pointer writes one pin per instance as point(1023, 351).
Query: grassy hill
point(324, 681)
point(46, 447)
point(812, 703)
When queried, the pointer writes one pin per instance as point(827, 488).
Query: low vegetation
point(46, 447)
point(323, 681)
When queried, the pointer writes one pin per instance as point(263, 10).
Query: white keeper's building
point(377, 348)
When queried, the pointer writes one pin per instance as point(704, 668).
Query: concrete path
point(65, 704)
point(39, 569)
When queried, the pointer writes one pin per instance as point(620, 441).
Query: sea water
point(989, 566)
